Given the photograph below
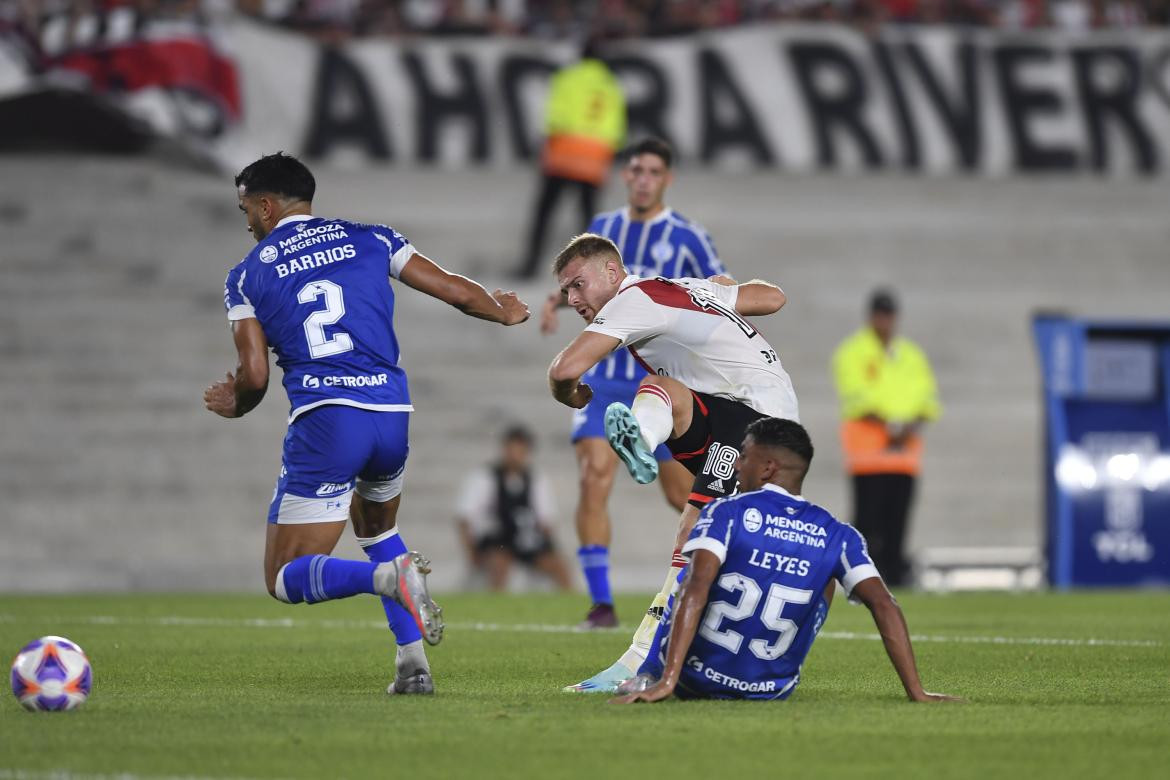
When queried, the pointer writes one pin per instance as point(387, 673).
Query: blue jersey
point(320, 289)
point(668, 245)
point(779, 552)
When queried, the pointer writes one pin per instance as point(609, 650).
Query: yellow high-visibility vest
point(895, 384)
point(585, 122)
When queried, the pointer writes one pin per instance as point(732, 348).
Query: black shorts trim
point(717, 424)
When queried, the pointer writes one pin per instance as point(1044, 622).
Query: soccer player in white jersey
point(758, 586)
point(655, 240)
point(317, 292)
point(710, 373)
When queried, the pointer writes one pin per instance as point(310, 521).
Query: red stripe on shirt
point(667, 293)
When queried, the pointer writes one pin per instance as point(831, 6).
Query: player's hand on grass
point(221, 397)
point(515, 310)
point(582, 394)
point(658, 692)
point(548, 313)
point(927, 696)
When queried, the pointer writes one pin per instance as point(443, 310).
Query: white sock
point(411, 658)
point(652, 410)
point(640, 646)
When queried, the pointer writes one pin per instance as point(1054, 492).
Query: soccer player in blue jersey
point(759, 583)
point(316, 292)
point(654, 240)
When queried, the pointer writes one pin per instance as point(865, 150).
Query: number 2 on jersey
point(321, 345)
point(778, 596)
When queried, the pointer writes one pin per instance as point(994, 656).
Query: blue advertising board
point(1107, 450)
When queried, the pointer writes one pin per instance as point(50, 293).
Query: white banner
point(791, 97)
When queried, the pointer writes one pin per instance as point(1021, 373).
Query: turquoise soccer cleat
point(625, 436)
point(603, 682)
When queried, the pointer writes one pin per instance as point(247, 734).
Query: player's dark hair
point(585, 245)
point(517, 432)
point(784, 434)
point(653, 145)
point(278, 174)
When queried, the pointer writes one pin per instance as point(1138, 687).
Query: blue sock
point(314, 578)
point(383, 549)
point(595, 563)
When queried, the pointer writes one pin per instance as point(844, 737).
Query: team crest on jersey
point(300, 227)
point(268, 254)
point(753, 520)
point(662, 251)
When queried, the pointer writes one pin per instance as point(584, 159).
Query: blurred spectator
point(504, 514)
point(63, 24)
point(887, 394)
point(585, 124)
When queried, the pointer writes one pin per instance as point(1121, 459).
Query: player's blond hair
point(587, 245)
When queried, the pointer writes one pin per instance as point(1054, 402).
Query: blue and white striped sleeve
point(854, 563)
point(703, 249)
point(398, 249)
point(235, 297)
point(712, 531)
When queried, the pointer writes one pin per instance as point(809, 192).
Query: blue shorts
point(330, 450)
point(589, 422)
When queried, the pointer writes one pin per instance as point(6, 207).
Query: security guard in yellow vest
point(887, 393)
point(585, 125)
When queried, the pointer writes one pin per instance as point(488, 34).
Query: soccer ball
point(51, 673)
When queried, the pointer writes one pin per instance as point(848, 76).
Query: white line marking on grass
point(65, 774)
point(540, 628)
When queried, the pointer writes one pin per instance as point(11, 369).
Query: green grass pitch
point(240, 686)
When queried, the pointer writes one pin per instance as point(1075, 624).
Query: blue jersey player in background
point(654, 240)
point(317, 293)
point(759, 583)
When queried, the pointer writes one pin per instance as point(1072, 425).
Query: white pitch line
point(538, 628)
point(65, 774)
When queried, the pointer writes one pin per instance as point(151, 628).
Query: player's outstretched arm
point(891, 624)
point(757, 298)
point(466, 295)
point(239, 394)
point(564, 375)
point(689, 607)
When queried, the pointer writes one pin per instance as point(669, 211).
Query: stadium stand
point(114, 477)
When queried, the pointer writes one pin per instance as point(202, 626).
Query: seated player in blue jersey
point(654, 240)
point(759, 583)
point(316, 292)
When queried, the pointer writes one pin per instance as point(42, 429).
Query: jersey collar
point(293, 218)
point(777, 489)
point(630, 279)
point(666, 212)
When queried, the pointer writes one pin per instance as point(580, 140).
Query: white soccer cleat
point(603, 682)
point(404, 580)
point(420, 683)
